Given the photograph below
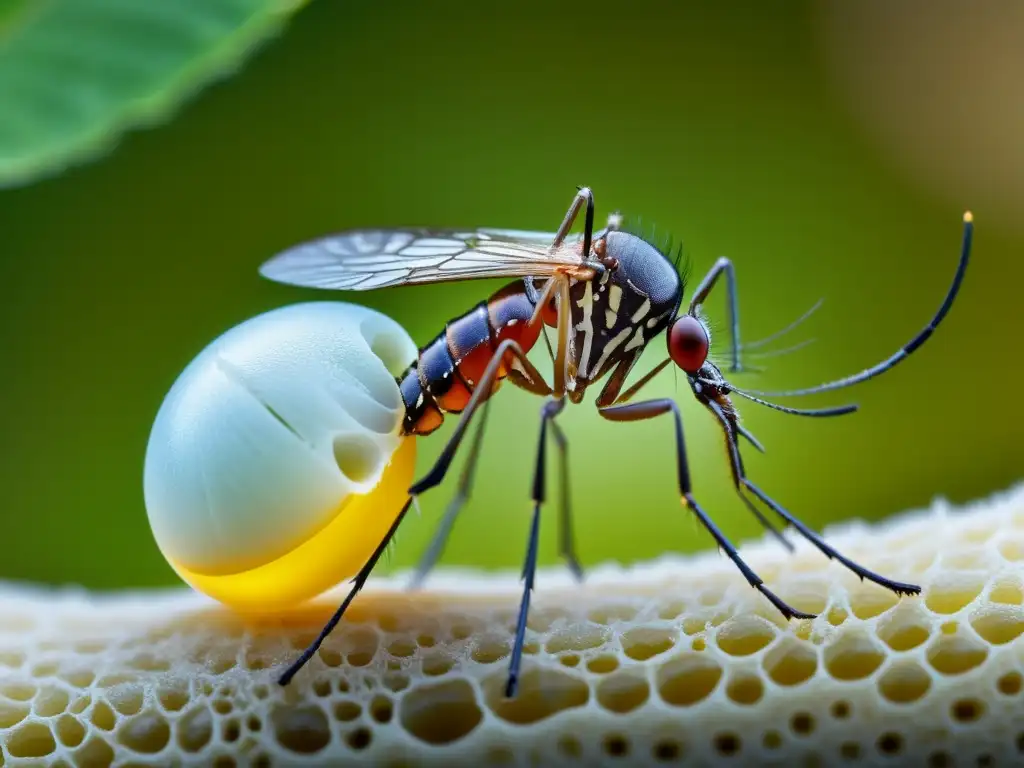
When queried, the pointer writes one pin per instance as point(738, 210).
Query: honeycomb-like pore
point(676, 661)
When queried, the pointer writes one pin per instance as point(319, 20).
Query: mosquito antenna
point(784, 351)
point(838, 410)
point(780, 333)
point(776, 352)
point(910, 346)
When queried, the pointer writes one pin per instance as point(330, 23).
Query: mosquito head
point(689, 343)
point(710, 386)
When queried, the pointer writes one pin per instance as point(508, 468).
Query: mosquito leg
point(630, 393)
point(863, 573)
point(530, 379)
point(548, 412)
point(702, 291)
point(583, 196)
point(558, 284)
point(567, 541)
point(544, 298)
point(357, 584)
point(444, 528)
point(731, 430)
point(433, 478)
point(739, 474)
point(561, 364)
point(561, 284)
point(547, 342)
point(649, 409)
point(744, 432)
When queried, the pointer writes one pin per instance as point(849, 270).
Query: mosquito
point(606, 295)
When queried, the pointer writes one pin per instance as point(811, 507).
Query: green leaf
point(75, 74)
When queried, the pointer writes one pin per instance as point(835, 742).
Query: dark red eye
point(688, 343)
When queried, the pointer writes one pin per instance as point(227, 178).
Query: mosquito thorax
point(643, 269)
point(622, 308)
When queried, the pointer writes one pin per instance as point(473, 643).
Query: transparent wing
point(364, 259)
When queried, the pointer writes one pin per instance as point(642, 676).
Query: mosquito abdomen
point(445, 374)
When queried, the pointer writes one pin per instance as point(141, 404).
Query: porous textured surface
point(675, 660)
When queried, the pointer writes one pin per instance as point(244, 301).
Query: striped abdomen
point(448, 369)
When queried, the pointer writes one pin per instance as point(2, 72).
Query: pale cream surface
point(669, 661)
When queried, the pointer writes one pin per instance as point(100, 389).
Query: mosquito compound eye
point(688, 343)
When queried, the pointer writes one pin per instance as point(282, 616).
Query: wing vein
point(360, 260)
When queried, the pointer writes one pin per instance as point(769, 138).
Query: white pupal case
point(272, 434)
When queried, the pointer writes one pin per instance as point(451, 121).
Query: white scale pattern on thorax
point(612, 344)
point(586, 325)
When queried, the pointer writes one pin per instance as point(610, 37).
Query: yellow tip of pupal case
point(334, 553)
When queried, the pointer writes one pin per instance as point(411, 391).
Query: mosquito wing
point(365, 259)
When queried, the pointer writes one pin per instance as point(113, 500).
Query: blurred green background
point(808, 142)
